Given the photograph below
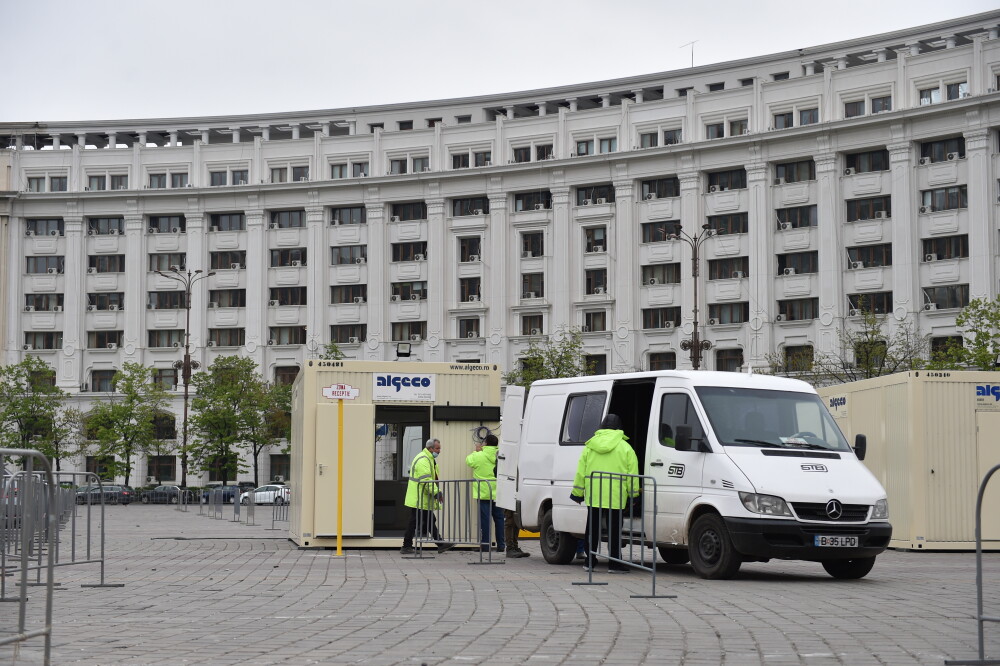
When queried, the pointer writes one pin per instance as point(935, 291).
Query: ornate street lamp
point(186, 278)
point(695, 344)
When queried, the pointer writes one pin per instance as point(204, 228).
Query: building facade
point(856, 175)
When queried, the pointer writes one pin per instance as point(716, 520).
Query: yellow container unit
point(932, 436)
point(389, 410)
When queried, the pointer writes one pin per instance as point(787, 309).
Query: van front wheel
point(711, 549)
point(557, 547)
point(849, 569)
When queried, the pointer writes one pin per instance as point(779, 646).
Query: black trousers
point(613, 520)
point(428, 523)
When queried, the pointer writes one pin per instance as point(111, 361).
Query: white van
point(747, 468)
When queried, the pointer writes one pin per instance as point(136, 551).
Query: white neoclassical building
point(857, 174)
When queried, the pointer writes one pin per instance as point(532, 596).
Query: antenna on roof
point(691, 44)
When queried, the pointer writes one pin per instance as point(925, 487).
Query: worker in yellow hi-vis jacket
point(424, 498)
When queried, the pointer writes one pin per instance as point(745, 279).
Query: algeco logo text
point(988, 390)
point(838, 402)
point(399, 382)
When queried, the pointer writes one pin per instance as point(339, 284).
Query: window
point(544, 152)
point(798, 262)
point(582, 418)
point(157, 181)
point(409, 330)
point(675, 410)
point(715, 87)
point(945, 198)
point(866, 162)
point(532, 200)
point(166, 338)
point(227, 260)
point(648, 140)
point(241, 177)
point(397, 166)
point(739, 127)
point(532, 244)
point(957, 90)
point(522, 154)
point(167, 378)
point(715, 131)
point(808, 116)
point(532, 285)
point(421, 164)
point(97, 183)
point(609, 145)
point(105, 226)
point(343, 333)
point(744, 83)
point(359, 169)
point(469, 289)
point(431, 122)
point(653, 318)
point(658, 232)
point(36, 184)
point(285, 375)
point(468, 327)
point(661, 188)
point(661, 274)
point(101, 380)
point(869, 209)
point(288, 219)
point(228, 298)
point(104, 339)
point(943, 149)
point(162, 468)
point(288, 295)
point(948, 247)
point(941, 344)
point(797, 358)
point(854, 109)
point(218, 178)
point(58, 183)
point(780, 76)
point(119, 182)
point(39, 265)
point(178, 180)
point(531, 324)
point(227, 337)
point(733, 223)
point(728, 360)
point(299, 173)
point(38, 340)
point(45, 227)
point(410, 211)
point(735, 179)
point(595, 239)
point(106, 263)
point(879, 302)
point(338, 171)
point(662, 361)
point(596, 281)
point(671, 137)
point(596, 364)
point(954, 296)
point(585, 147)
point(229, 222)
point(43, 302)
point(783, 120)
point(683, 92)
point(166, 224)
point(594, 322)
point(930, 96)
point(471, 206)
point(348, 254)
point(482, 158)
point(405, 125)
point(287, 335)
point(795, 172)
point(416, 251)
point(348, 215)
point(166, 261)
point(106, 300)
point(376, 126)
point(881, 104)
point(799, 309)
point(594, 194)
point(869, 256)
point(166, 300)
point(468, 248)
point(290, 257)
point(729, 313)
point(409, 291)
point(728, 269)
point(460, 161)
point(795, 218)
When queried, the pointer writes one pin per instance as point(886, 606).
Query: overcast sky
point(108, 59)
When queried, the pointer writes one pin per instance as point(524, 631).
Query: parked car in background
point(113, 494)
point(166, 495)
point(269, 494)
point(246, 486)
point(228, 493)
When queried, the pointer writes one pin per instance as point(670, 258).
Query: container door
point(510, 440)
point(359, 465)
point(400, 432)
point(988, 454)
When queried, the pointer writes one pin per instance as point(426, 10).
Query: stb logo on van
point(987, 391)
point(676, 471)
point(392, 387)
point(813, 467)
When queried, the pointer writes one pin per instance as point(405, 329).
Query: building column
point(257, 272)
point(831, 251)
point(68, 365)
point(623, 274)
point(379, 256)
point(136, 237)
point(906, 294)
point(561, 263)
point(763, 307)
point(440, 294)
point(316, 277)
point(690, 220)
point(982, 237)
point(497, 252)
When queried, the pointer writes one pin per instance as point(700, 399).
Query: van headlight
point(767, 505)
point(881, 511)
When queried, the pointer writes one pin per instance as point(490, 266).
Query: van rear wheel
point(712, 553)
point(849, 569)
point(557, 547)
point(674, 556)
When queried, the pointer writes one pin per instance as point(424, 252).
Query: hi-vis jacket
point(423, 495)
point(484, 465)
point(606, 451)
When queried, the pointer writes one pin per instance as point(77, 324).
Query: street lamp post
point(187, 279)
point(694, 344)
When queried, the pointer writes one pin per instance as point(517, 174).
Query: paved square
point(204, 591)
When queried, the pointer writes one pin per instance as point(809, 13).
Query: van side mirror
point(860, 446)
point(682, 438)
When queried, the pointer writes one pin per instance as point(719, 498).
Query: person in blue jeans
point(484, 469)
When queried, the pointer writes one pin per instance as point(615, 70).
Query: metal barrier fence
point(980, 618)
point(619, 516)
point(34, 499)
point(279, 514)
point(456, 520)
point(75, 501)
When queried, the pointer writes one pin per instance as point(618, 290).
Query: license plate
point(836, 541)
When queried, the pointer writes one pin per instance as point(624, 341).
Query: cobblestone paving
point(203, 591)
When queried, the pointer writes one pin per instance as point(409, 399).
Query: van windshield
point(778, 419)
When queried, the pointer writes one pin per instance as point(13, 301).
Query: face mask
point(434, 454)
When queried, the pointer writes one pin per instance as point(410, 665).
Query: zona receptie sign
point(340, 392)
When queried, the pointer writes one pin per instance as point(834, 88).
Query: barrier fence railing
point(981, 619)
point(453, 517)
point(28, 514)
point(279, 514)
point(86, 502)
point(615, 506)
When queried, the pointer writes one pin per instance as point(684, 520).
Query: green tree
point(29, 402)
point(64, 437)
point(550, 359)
point(124, 422)
point(331, 352)
point(266, 420)
point(979, 323)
